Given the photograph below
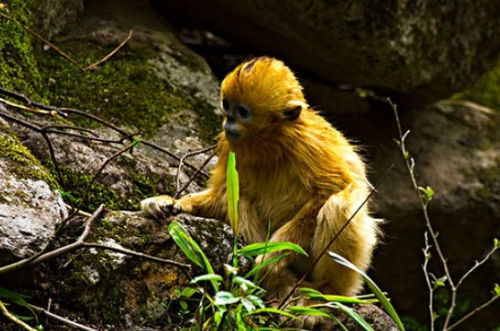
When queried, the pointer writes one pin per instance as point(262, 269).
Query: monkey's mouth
point(232, 136)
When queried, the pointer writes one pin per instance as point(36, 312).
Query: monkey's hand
point(163, 206)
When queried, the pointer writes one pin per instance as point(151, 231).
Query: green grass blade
point(386, 304)
point(316, 295)
point(309, 311)
point(206, 277)
point(191, 249)
point(271, 311)
point(267, 262)
point(355, 316)
point(233, 192)
point(270, 247)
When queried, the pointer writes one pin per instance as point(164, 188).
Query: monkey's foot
point(160, 207)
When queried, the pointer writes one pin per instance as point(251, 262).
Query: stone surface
point(456, 147)
point(123, 291)
point(418, 51)
point(30, 209)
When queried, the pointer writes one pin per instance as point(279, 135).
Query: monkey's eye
point(243, 112)
point(225, 104)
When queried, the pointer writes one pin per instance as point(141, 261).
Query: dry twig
point(61, 319)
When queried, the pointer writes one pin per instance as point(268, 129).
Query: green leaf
point(233, 192)
point(191, 249)
point(496, 242)
point(184, 305)
point(257, 301)
point(248, 305)
point(355, 316)
point(301, 310)
point(270, 247)
point(271, 311)
point(264, 264)
point(440, 282)
point(188, 292)
point(206, 277)
point(496, 290)
point(225, 298)
point(316, 295)
point(386, 304)
point(427, 192)
point(249, 284)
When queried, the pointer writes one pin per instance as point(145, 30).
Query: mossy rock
point(486, 91)
point(18, 67)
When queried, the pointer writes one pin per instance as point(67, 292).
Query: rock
point(154, 85)
point(414, 49)
point(150, 79)
point(30, 209)
point(456, 147)
point(103, 287)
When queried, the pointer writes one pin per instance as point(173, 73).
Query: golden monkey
point(297, 173)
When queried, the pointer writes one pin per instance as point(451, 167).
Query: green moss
point(22, 163)
point(78, 189)
point(486, 91)
point(18, 69)
point(123, 90)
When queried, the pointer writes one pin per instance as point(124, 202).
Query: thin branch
point(61, 319)
point(423, 204)
point(410, 165)
point(427, 258)
point(138, 254)
point(476, 265)
point(48, 43)
point(14, 318)
point(113, 52)
point(473, 312)
point(172, 155)
point(59, 251)
point(181, 163)
point(179, 192)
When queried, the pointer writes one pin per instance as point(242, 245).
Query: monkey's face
point(258, 98)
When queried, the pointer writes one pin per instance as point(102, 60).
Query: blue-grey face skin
point(236, 114)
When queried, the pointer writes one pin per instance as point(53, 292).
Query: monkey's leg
point(279, 278)
point(355, 243)
point(208, 203)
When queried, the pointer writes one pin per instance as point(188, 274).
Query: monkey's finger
point(156, 207)
point(176, 209)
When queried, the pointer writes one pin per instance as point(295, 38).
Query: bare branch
point(113, 52)
point(138, 254)
point(427, 275)
point(473, 312)
point(59, 251)
point(181, 163)
point(61, 319)
point(476, 265)
point(178, 193)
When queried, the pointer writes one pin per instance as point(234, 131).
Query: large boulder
point(456, 147)
point(30, 205)
point(418, 51)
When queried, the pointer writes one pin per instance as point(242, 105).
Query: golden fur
point(298, 174)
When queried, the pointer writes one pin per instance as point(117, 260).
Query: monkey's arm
point(208, 203)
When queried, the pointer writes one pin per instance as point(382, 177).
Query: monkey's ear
point(292, 114)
